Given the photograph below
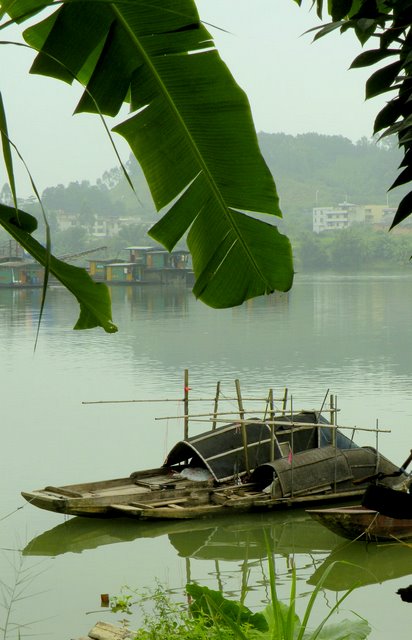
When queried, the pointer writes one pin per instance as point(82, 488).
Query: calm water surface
point(351, 334)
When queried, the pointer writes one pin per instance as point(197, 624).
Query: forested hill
point(312, 169)
point(309, 169)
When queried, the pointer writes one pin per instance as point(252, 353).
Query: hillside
point(309, 169)
point(312, 169)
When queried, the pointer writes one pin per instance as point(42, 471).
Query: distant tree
point(111, 177)
point(349, 249)
point(312, 252)
point(187, 133)
point(72, 240)
point(322, 170)
point(6, 196)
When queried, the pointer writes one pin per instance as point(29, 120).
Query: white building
point(346, 214)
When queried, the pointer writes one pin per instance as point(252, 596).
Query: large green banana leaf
point(190, 128)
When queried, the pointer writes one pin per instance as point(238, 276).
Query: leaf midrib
point(212, 184)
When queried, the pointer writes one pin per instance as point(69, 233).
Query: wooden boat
point(361, 523)
point(252, 464)
point(384, 514)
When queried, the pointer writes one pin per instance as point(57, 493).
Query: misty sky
point(293, 86)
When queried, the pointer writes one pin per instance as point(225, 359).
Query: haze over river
point(349, 333)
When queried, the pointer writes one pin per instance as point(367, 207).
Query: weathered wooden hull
point(361, 523)
point(176, 500)
point(170, 492)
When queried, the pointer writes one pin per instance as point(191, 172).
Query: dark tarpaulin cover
point(222, 450)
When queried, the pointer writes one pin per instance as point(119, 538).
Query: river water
point(350, 334)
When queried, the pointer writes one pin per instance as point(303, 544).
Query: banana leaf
point(190, 127)
point(93, 297)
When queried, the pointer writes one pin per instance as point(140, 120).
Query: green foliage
point(357, 247)
point(78, 198)
point(167, 620)
point(213, 616)
point(389, 22)
point(211, 604)
point(190, 128)
point(122, 603)
point(321, 170)
point(93, 298)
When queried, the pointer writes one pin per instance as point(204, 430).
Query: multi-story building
point(346, 214)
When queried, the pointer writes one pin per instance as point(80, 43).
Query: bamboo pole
point(285, 400)
point(292, 447)
point(333, 403)
point(173, 400)
point(242, 418)
point(215, 408)
point(332, 419)
point(303, 425)
point(212, 415)
point(272, 426)
point(377, 447)
point(186, 405)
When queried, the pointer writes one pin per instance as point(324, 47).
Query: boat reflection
point(242, 540)
point(361, 564)
point(224, 538)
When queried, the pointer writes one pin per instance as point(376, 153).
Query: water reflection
point(364, 564)
point(242, 540)
point(223, 538)
point(349, 334)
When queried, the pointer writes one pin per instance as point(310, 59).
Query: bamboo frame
point(303, 425)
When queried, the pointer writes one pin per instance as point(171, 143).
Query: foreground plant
point(13, 592)
point(190, 128)
point(211, 615)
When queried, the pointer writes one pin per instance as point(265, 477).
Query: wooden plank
point(62, 491)
point(128, 507)
point(160, 503)
point(167, 513)
point(107, 631)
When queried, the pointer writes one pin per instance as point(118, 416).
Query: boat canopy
point(316, 469)
point(222, 450)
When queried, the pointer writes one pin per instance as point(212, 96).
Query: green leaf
point(364, 28)
point(324, 30)
point(404, 210)
point(94, 298)
point(346, 630)
point(7, 155)
point(389, 114)
point(367, 58)
point(191, 130)
point(381, 80)
point(226, 609)
point(224, 277)
point(339, 9)
point(274, 621)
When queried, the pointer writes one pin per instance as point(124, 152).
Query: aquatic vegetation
point(209, 614)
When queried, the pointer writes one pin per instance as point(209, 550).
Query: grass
point(209, 615)
point(12, 593)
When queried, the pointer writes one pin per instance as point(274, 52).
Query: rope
point(13, 512)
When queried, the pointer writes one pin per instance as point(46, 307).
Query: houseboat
point(283, 458)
